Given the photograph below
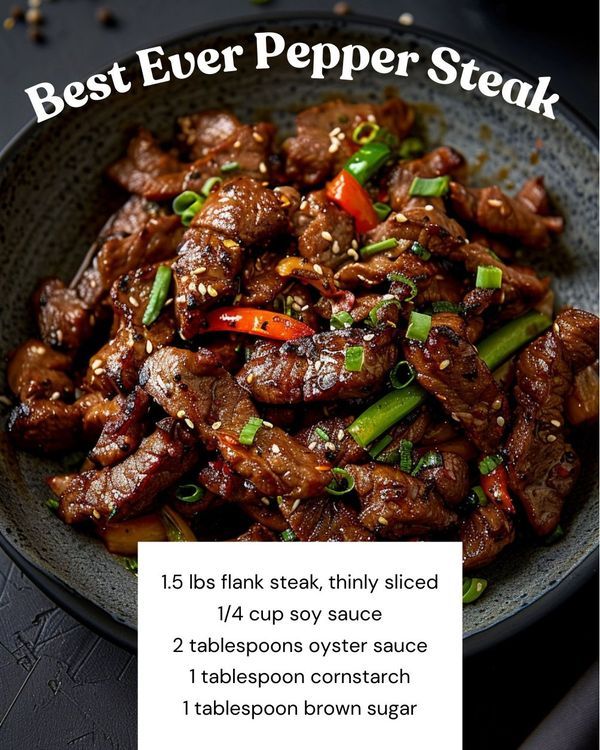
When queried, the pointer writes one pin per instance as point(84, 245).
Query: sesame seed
point(406, 19)
point(180, 298)
point(296, 504)
point(303, 205)
point(383, 521)
point(371, 118)
point(312, 446)
point(149, 347)
point(265, 501)
point(444, 364)
point(250, 378)
point(329, 446)
point(267, 424)
point(496, 404)
point(257, 137)
point(401, 218)
point(192, 287)
point(96, 363)
point(494, 202)
point(99, 371)
point(555, 422)
point(95, 513)
point(318, 365)
point(181, 414)
point(340, 436)
point(304, 307)
point(296, 307)
point(341, 136)
point(262, 168)
point(55, 396)
point(202, 289)
point(369, 337)
point(9, 23)
point(501, 421)
point(388, 296)
point(334, 147)
point(335, 248)
point(134, 302)
point(551, 438)
point(318, 269)
point(429, 207)
point(183, 279)
point(216, 425)
point(327, 236)
point(189, 423)
point(212, 291)
point(555, 328)
point(354, 244)
point(353, 254)
point(335, 131)
point(230, 243)
point(59, 336)
point(237, 144)
point(275, 448)
point(5, 400)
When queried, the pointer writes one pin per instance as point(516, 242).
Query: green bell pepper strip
point(493, 350)
point(367, 160)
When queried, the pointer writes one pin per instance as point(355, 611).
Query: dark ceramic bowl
point(58, 168)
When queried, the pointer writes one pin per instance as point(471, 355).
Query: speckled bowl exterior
point(54, 198)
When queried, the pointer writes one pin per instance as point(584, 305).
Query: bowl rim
point(103, 622)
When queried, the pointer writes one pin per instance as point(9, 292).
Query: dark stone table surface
point(64, 687)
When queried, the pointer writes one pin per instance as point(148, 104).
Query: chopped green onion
point(209, 185)
point(341, 320)
point(420, 251)
point(488, 277)
point(430, 187)
point(131, 564)
point(52, 504)
point(322, 434)
point(184, 200)
point(230, 166)
point(189, 493)
point(402, 375)
point(376, 247)
point(557, 534)
point(489, 463)
point(473, 588)
point(367, 160)
point(479, 495)
point(406, 448)
point(429, 460)
point(411, 147)
point(382, 210)
point(377, 307)
point(380, 446)
point(189, 213)
point(279, 499)
point(400, 277)
point(288, 536)
point(344, 476)
point(365, 132)
point(158, 295)
point(354, 358)
point(442, 305)
point(249, 430)
point(418, 327)
point(503, 343)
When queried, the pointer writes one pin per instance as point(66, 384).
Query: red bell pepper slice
point(350, 195)
point(270, 325)
point(495, 486)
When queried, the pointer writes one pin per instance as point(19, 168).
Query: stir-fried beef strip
point(316, 368)
point(123, 431)
point(194, 387)
point(448, 367)
point(395, 504)
point(323, 141)
point(324, 519)
point(495, 212)
point(282, 425)
point(543, 466)
point(130, 487)
point(35, 370)
point(484, 533)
